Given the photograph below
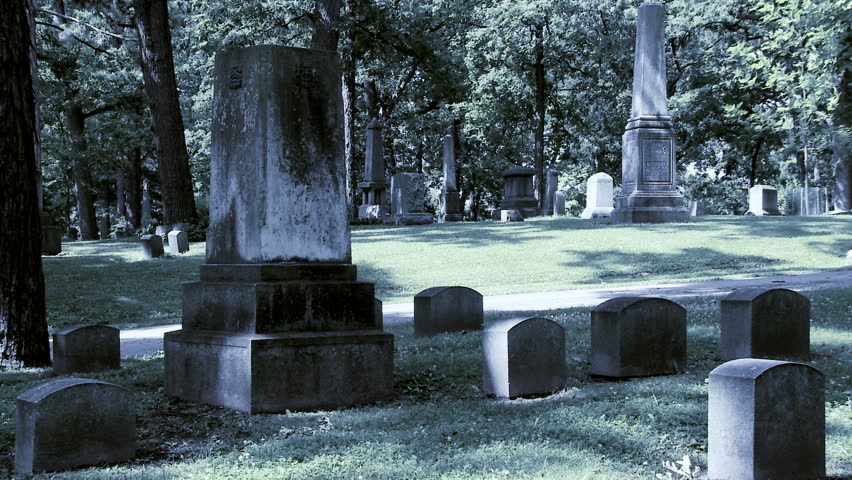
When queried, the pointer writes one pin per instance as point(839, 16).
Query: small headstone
point(696, 209)
point(51, 236)
point(523, 357)
point(559, 203)
point(762, 200)
point(72, 422)
point(407, 200)
point(511, 216)
point(766, 421)
point(447, 309)
point(86, 348)
point(765, 323)
point(152, 246)
point(635, 336)
point(73, 233)
point(598, 197)
point(178, 242)
point(163, 232)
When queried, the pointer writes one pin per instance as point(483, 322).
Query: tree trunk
point(23, 322)
point(120, 193)
point(326, 16)
point(841, 155)
point(539, 113)
point(752, 173)
point(104, 220)
point(158, 72)
point(134, 187)
point(82, 173)
point(418, 156)
point(801, 172)
point(347, 67)
point(36, 101)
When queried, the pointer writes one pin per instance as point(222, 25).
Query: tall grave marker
point(450, 202)
point(649, 181)
point(373, 201)
point(278, 320)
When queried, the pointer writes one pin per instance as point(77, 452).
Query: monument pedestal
point(373, 201)
point(450, 207)
point(274, 337)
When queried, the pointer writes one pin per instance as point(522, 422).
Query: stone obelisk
point(450, 202)
point(649, 175)
point(374, 203)
point(278, 321)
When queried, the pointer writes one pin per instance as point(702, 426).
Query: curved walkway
point(140, 341)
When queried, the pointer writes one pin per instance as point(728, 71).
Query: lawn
point(441, 425)
point(109, 282)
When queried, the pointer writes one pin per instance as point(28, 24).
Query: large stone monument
point(278, 320)
point(598, 197)
point(649, 178)
point(450, 203)
point(374, 203)
point(518, 193)
point(766, 421)
point(762, 200)
point(407, 201)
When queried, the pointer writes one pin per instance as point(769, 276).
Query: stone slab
point(178, 242)
point(762, 200)
point(447, 309)
point(278, 272)
point(765, 323)
point(86, 348)
point(152, 247)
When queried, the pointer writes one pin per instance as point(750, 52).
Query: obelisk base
point(450, 207)
point(651, 207)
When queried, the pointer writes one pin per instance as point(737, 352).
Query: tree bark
point(120, 192)
point(540, 96)
point(347, 67)
point(325, 33)
point(134, 187)
point(76, 122)
point(104, 220)
point(158, 71)
point(841, 155)
point(23, 322)
point(752, 173)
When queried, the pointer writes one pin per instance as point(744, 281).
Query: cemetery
point(352, 270)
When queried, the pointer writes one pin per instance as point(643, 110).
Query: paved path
point(140, 341)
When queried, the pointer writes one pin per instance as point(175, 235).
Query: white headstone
point(598, 196)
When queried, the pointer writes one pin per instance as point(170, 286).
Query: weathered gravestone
point(523, 357)
point(278, 320)
point(178, 242)
point(163, 232)
point(649, 181)
point(86, 348)
point(559, 203)
point(518, 193)
point(373, 188)
point(635, 336)
point(696, 209)
point(407, 201)
point(450, 203)
point(550, 185)
point(152, 246)
point(765, 323)
point(511, 215)
point(447, 309)
point(762, 200)
point(598, 197)
point(766, 421)
point(51, 236)
point(72, 422)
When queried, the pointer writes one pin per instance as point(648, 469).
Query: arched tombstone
point(598, 197)
point(178, 242)
point(152, 246)
point(765, 323)
point(766, 421)
point(636, 336)
point(72, 422)
point(523, 356)
point(86, 348)
point(447, 309)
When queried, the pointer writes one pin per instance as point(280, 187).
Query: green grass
point(441, 425)
point(108, 282)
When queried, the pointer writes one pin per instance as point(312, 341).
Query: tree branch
point(86, 24)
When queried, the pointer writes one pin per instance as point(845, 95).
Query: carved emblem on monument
point(657, 160)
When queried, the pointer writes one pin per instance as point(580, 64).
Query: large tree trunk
point(539, 113)
point(841, 156)
point(104, 220)
point(23, 322)
point(347, 67)
point(76, 122)
point(755, 155)
point(134, 187)
point(158, 71)
point(326, 16)
point(120, 193)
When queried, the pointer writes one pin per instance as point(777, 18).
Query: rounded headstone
point(86, 348)
point(765, 323)
point(447, 309)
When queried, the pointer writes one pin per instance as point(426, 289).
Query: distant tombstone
point(559, 203)
point(178, 242)
point(122, 231)
point(163, 232)
point(523, 356)
point(696, 209)
point(408, 195)
point(72, 422)
point(762, 200)
point(511, 215)
point(86, 348)
point(550, 185)
point(447, 309)
point(518, 192)
point(73, 233)
point(805, 201)
point(152, 246)
point(635, 336)
point(598, 197)
point(51, 236)
point(766, 421)
point(765, 323)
